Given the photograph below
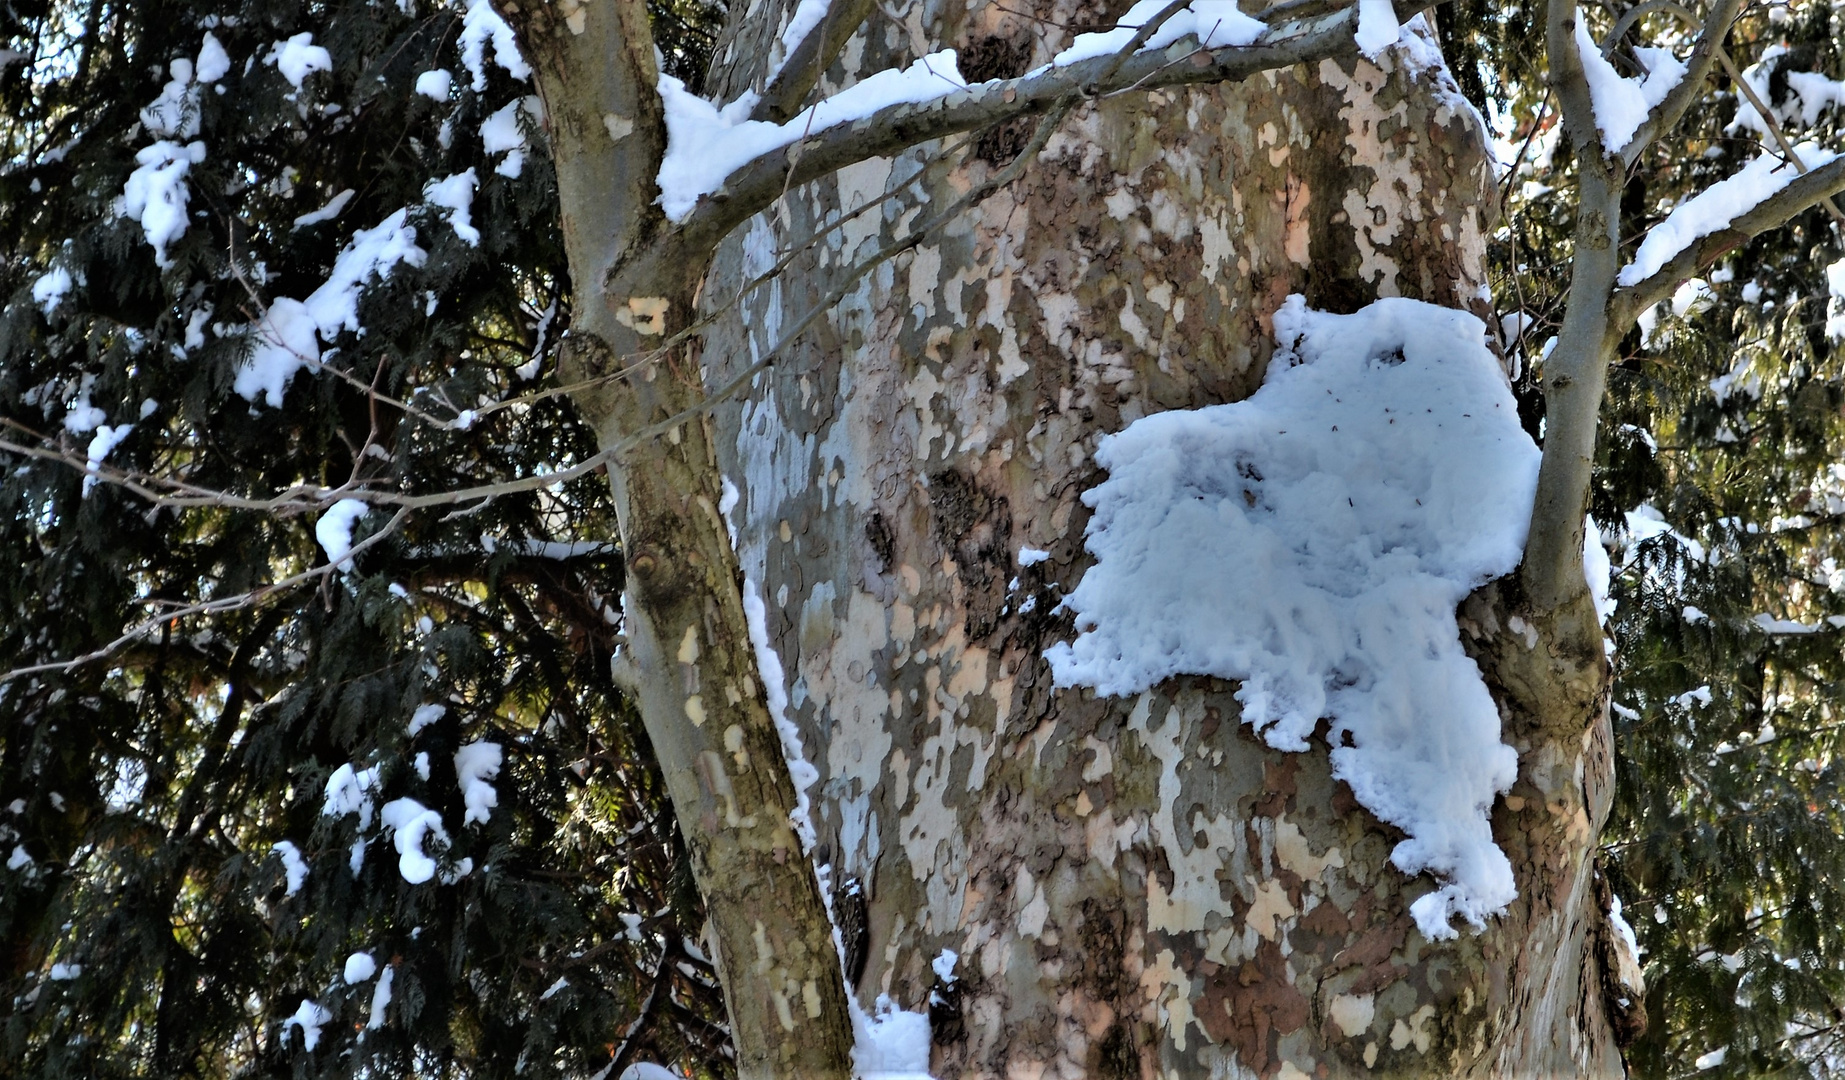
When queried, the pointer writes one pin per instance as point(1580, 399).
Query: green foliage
point(142, 794)
point(1723, 421)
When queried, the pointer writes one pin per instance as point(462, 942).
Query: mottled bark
point(687, 655)
point(1136, 887)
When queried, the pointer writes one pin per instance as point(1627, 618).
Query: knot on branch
point(583, 355)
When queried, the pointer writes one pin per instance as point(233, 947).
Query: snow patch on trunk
point(1313, 542)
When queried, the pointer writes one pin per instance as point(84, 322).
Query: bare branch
point(850, 281)
point(756, 185)
point(207, 607)
point(1773, 212)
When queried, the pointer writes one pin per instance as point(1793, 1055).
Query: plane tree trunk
point(1135, 887)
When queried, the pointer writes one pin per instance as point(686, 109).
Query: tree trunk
point(1135, 887)
point(688, 660)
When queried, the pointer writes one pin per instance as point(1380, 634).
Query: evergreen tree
point(214, 826)
point(186, 894)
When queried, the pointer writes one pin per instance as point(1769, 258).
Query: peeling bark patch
point(1251, 1006)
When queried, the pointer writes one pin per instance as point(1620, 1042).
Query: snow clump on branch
point(1621, 105)
point(1713, 209)
point(1313, 542)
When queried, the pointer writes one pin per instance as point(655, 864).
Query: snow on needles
point(1313, 542)
point(1712, 210)
point(476, 764)
point(480, 25)
point(287, 338)
point(156, 193)
point(1621, 105)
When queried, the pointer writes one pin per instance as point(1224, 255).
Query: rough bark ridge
point(1135, 887)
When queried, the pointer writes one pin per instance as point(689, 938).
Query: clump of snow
point(359, 967)
point(195, 328)
point(1377, 27)
point(19, 858)
point(293, 865)
point(412, 825)
point(889, 1043)
point(1621, 105)
point(334, 530)
point(1835, 304)
point(83, 417)
point(1313, 542)
point(500, 133)
point(298, 57)
point(807, 15)
point(214, 63)
point(944, 965)
point(107, 438)
point(175, 113)
point(310, 1018)
point(286, 339)
point(1712, 210)
point(350, 791)
point(478, 26)
point(333, 208)
point(555, 989)
point(424, 716)
point(1596, 569)
point(456, 195)
point(647, 1070)
point(775, 688)
point(381, 998)
point(1215, 23)
point(1032, 556)
point(156, 193)
point(705, 144)
point(435, 84)
point(475, 764)
point(1809, 94)
point(51, 288)
point(65, 972)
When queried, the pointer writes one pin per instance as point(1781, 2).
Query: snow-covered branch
point(788, 87)
point(1665, 115)
point(1773, 211)
point(758, 183)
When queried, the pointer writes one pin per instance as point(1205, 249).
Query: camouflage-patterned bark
point(1136, 887)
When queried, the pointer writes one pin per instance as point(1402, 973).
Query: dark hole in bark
point(883, 544)
point(1114, 1056)
point(998, 145)
point(995, 57)
point(853, 918)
